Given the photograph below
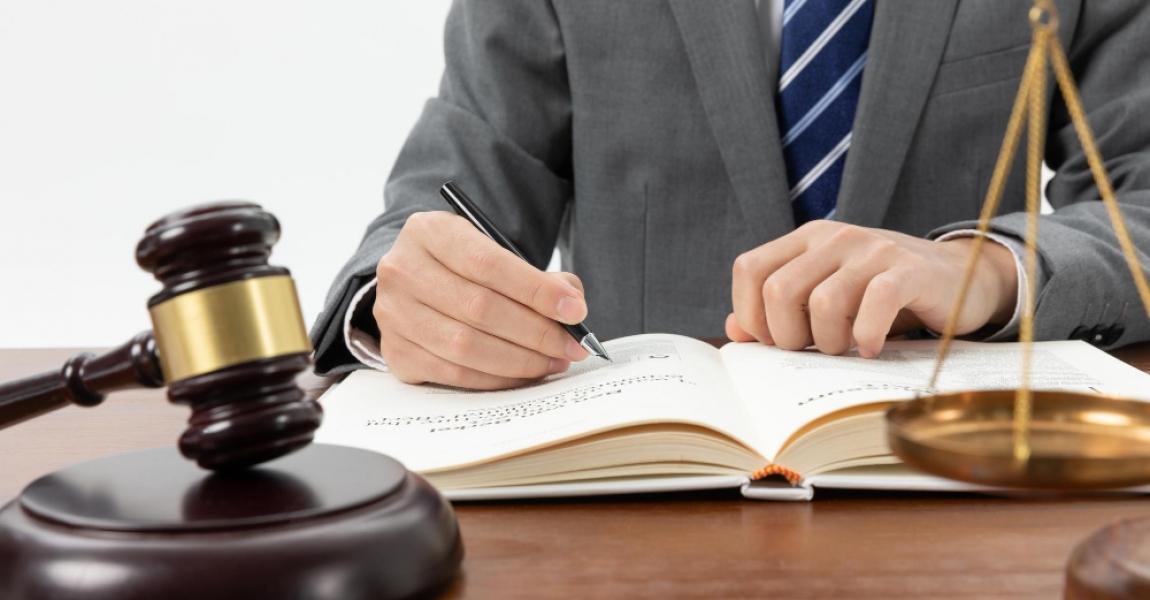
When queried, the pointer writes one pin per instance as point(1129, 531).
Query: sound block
point(1112, 563)
point(323, 523)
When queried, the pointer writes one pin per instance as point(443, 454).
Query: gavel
point(227, 339)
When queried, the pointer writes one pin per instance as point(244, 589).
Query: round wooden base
point(1112, 563)
point(325, 522)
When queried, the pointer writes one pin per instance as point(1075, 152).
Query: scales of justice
point(1041, 440)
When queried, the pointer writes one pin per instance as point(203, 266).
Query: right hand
point(454, 308)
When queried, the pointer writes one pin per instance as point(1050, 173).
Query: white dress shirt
point(365, 348)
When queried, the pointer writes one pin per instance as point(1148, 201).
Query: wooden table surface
point(715, 545)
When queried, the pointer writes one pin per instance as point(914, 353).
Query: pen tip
point(592, 345)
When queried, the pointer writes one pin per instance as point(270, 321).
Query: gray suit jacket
point(641, 137)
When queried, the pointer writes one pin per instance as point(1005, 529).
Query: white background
point(114, 112)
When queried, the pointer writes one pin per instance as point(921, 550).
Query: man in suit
point(798, 172)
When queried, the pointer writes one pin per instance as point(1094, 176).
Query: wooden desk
point(697, 545)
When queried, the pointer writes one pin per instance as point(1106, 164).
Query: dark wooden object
point(1112, 564)
point(241, 415)
point(248, 413)
point(324, 523)
point(700, 545)
point(309, 522)
point(83, 380)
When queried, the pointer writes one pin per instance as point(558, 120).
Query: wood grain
point(857, 545)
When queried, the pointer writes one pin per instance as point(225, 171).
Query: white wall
point(114, 112)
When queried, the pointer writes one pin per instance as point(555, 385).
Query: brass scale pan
point(1052, 440)
point(1078, 441)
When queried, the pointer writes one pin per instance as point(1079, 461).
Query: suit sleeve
point(501, 125)
point(1087, 290)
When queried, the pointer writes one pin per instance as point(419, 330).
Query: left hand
point(836, 285)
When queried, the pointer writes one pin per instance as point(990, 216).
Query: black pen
point(464, 207)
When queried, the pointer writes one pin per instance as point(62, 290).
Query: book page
point(653, 379)
point(784, 390)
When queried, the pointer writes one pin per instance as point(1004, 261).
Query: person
point(797, 173)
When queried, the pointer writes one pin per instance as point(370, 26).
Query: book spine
point(793, 477)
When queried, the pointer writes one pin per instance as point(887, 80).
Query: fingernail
point(574, 351)
point(570, 309)
point(557, 366)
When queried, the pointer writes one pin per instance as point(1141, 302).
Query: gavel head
point(229, 334)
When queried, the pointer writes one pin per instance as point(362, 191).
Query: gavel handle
point(84, 380)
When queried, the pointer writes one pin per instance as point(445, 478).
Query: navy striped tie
point(824, 48)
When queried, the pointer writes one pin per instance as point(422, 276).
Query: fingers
point(749, 272)
point(833, 284)
point(464, 345)
point(414, 365)
point(493, 313)
point(469, 313)
point(752, 269)
point(787, 294)
point(736, 333)
point(885, 296)
point(464, 250)
point(833, 306)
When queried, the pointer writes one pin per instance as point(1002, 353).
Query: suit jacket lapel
point(906, 46)
point(726, 53)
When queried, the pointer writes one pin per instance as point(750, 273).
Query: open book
point(674, 413)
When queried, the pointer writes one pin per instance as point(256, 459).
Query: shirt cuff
point(1010, 330)
point(362, 345)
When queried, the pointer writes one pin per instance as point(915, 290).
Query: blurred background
point(113, 113)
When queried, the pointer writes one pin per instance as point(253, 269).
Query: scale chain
point(1030, 108)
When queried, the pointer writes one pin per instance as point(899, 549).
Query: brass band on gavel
point(229, 324)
